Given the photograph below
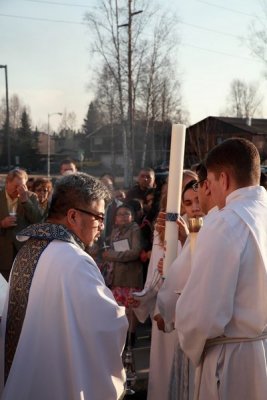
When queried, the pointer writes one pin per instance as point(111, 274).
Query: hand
point(23, 193)
point(160, 225)
point(105, 254)
point(160, 222)
point(160, 266)
point(9, 222)
point(183, 231)
point(145, 255)
point(133, 302)
point(160, 322)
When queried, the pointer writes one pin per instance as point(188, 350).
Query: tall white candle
point(174, 193)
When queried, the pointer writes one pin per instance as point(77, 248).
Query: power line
point(54, 3)
point(182, 44)
point(83, 23)
point(219, 52)
point(210, 30)
point(42, 19)
point(226, 8)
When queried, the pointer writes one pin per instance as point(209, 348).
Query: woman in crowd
point(43, 189)
point(124, 255)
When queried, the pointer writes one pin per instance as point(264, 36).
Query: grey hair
point(76, 190)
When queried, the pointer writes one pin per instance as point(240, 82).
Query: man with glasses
point(221, 315)
point(18, 209)
point(63, 333)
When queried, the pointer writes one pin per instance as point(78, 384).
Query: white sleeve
point(153, 282)
point(206, 304)
point(177, 275)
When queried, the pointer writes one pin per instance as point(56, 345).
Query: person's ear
point(225, 180)
point(206, 187)
point(71, 216)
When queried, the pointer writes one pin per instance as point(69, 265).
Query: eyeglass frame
point(98, 217)
point(195, 186)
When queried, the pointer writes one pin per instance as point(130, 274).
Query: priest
point(62, 332)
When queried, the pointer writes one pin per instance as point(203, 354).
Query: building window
point(98, 141)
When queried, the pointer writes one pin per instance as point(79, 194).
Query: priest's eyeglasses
point(196, 185)
point(98, 217)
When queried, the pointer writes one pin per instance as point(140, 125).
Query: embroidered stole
point(40, 235)
point(20, 283)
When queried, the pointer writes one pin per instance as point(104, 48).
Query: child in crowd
point(124, 255)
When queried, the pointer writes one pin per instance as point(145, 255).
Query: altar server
point(221, 315)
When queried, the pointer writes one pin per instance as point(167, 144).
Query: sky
point(45, 45)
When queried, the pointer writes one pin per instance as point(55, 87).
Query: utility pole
point(123, 125)
point(130, 95)
point(130, 133)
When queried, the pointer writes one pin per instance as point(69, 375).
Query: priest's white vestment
point(73, 333)
point(226, 297)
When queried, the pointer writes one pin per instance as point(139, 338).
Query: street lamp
point(7, 119)
point(48, 141)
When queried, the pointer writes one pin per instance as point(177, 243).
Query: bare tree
point(153, 63)
point(244, 99)
point(3, 112)
point(16, 108)
point(107, 41)
point(257, 36)
point(68, 121)
point(107, 97)
point(108, 101)
point(133, 63)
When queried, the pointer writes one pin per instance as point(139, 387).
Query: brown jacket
point(127, 267)
point(27, 213)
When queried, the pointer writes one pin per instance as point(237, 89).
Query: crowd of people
point(84, 263)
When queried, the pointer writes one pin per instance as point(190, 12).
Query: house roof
point(256, 126)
